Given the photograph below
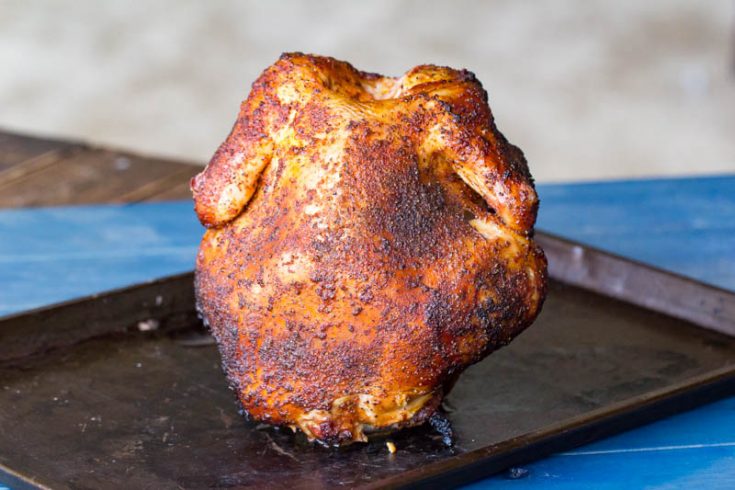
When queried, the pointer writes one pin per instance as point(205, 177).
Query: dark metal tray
point(90, 397)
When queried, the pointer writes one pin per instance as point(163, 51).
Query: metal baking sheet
point(123, 390)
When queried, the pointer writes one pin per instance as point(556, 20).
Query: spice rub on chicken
point(368, 238)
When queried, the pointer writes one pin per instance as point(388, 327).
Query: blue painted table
point(685, 225)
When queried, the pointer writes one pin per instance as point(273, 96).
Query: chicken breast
point(368, 239)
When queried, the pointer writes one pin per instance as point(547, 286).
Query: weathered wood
point(681, 224)
point(16, 149)
point(174, 186)
point(32, 167)
point(176, 192)
point(55, 254)
point(92, 176)
point(44, 172)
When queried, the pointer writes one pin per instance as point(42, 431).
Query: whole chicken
point(368, 239)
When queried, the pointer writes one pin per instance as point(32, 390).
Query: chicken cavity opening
point(383, 88)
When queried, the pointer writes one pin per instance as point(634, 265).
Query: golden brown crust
point(385, 244)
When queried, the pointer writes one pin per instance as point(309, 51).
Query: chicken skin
point(368, 238)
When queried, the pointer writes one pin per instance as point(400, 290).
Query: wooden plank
point(685, 225)
point(174, 186)
point(176, 192)
point(44, 172)
point(60, 253)
point(93, 176)
point(691, 450)
point(37, 164)
point(16, 148)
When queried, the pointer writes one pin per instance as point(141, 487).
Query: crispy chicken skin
point(368, 239)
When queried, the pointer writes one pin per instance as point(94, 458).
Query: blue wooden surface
point(54, 254)
point(684, 225)
point(692, 450)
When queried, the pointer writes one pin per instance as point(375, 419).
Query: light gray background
point(588, 89)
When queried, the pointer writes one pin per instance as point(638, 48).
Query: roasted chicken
point(368, 239)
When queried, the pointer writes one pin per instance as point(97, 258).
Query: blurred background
point(588, 89)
